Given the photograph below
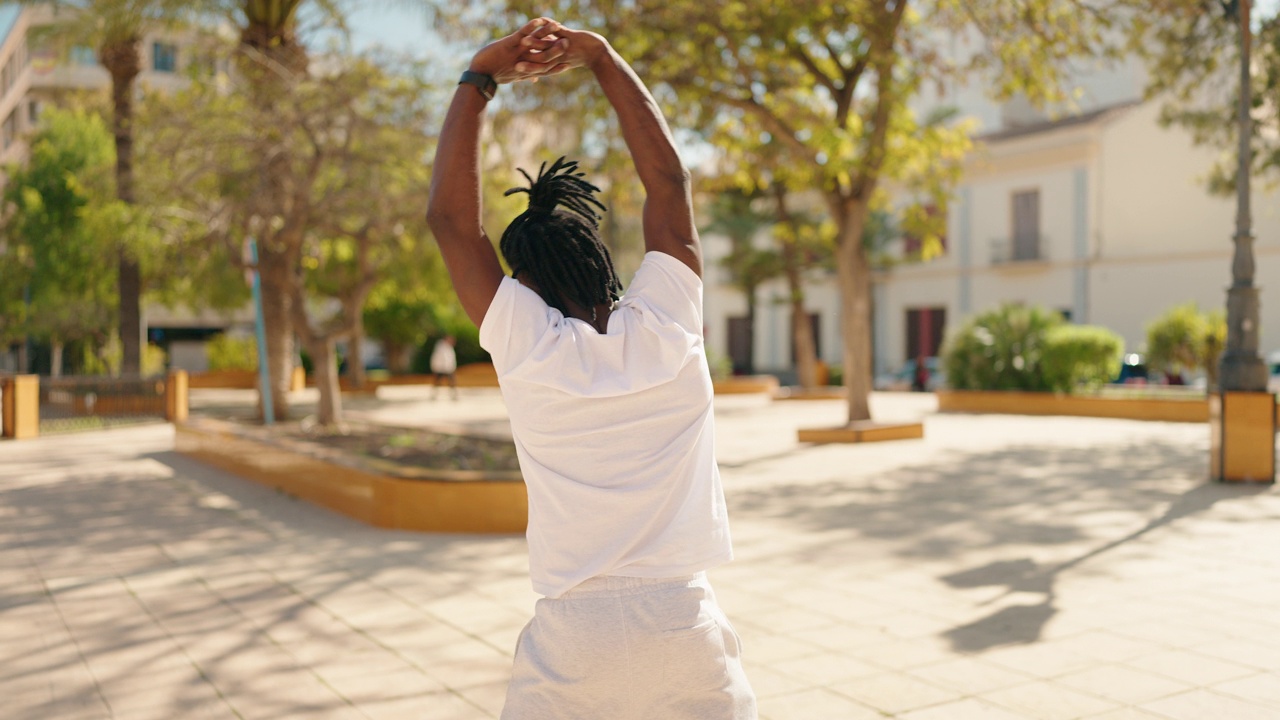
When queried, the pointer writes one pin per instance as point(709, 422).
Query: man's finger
point(545, 29)
point(551, 54)
point(533, 25)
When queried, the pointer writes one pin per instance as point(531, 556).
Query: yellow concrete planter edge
point(746, 384)
point(429, 501)
point(1031, 403)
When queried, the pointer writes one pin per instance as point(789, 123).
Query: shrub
point(1185, 339)
point(1030, 349)
point(1000, 350)
point(1080, 357)
point(721, 366)
point(229, 352)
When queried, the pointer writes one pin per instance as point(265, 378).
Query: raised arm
point(668, 207)
point(454, 209)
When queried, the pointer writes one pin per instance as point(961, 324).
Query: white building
point(34, 73)
point(1100, 213)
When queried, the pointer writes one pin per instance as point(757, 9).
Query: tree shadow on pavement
point(1077, 502)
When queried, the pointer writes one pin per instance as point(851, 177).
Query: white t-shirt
point(614, 432)
point(443, 358)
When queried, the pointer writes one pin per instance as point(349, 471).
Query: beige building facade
point(1100, 214)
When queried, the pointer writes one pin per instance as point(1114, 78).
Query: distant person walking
point(444, 365)
point(920, 377)
point(610, 401)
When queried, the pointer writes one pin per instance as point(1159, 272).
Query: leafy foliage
point(1002, 349)
point(1080, 357)
point(815, 96)
point(231, 352)
point(1030, 349)
point(1192, 51)
point(61, 219)
point(1185, 339)
point(1025, 349)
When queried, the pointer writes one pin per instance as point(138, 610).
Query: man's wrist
point(482, 82)
point(600, 54)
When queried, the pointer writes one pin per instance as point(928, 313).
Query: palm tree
point(116, 29)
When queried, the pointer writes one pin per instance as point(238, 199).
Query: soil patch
point(408, 447)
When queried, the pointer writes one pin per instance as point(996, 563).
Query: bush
point(1000, 350)
point(229, 352)
point(1185, 340)
point(721, 366)
point(1080, 357)
point(1030, 349)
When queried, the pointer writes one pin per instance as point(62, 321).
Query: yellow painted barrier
point(1242, 432)
point(1028, 403)
point(240, 379)
point(20, 405)
point(746, 384)
point(431, 501)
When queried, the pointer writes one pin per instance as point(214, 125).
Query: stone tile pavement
point(1004, 567)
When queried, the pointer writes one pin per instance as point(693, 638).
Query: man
point(610, 403)
point(444, 365)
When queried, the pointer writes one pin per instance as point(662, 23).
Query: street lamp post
point(1242, 369)
point(1242, 414)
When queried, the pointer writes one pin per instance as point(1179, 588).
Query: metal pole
point(1242, 367)
point(25, 362)
point(264, 370)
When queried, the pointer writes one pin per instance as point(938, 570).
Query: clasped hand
point(541, 48)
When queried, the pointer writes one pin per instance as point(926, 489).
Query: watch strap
point(484, 83)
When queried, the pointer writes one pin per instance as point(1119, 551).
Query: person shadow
point(1025, 623)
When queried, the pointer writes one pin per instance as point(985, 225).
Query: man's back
point(615, 432)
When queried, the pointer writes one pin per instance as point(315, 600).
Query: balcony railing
point(1030, 248)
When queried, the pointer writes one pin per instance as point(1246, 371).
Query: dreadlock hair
point(556, 241)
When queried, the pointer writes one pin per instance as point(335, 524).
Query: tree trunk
point(123, 61)
point(273, 269)
point(397, 357)
point(324, 355)
point(853, 272)
point(806, 354)
point(270, 61)
point(55, 359)
point(355, 355)
point(749, 362)
point(801, 327)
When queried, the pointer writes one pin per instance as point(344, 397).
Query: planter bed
point(373, 490)
point(1195, 409)
point(746, 384)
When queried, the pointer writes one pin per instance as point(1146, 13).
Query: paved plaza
point(1003, 567)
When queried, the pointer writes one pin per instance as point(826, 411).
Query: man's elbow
point(675, 179)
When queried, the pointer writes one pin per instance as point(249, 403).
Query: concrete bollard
point(21, 406)
point(176, 397)
point(1242, 437)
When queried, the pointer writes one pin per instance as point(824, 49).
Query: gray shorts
point(620, 648)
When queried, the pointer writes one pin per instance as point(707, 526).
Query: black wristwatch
point(484, 83)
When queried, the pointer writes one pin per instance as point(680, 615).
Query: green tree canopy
point(826, 89)
point(61, 219)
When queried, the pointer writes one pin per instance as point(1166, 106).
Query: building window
point(164, 57)
point(1026, 225)
point(33, 112)
point(83, 55)
point(926, 327)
